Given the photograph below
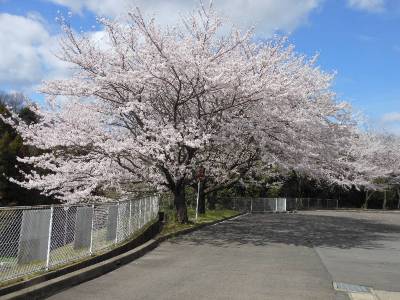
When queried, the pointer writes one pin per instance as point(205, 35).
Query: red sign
point(201, 173)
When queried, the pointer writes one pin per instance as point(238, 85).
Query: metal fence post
point(276, 204)
point(116, 229)
point(154, 207)
point(65, 226)
point(146, 201)
point(140, 213)
point(337, 203)
point(49, 240)
point(130, 217)
point(151, 208)
point(251, 205)
point(91, 232)
point(144, 211)
point(135, 215)
point(147, 210)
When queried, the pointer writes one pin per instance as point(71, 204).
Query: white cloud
point(106, 7)
point(27, 53)
point(366, 38)
point(266, 15)
point(368, 5)
point(391, 117)
point(390, 122)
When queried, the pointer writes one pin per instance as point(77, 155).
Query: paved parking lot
point(371, 257)
point(263, 256)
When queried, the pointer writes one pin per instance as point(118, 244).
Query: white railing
point(39, 238)
point(281, 204)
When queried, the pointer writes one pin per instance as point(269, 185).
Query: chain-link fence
point(278, 204)
point(311, 203)
point(39, 238)
point(258, 204)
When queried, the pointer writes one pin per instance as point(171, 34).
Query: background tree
point(11, 147)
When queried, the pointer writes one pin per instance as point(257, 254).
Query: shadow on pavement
point(295, 229)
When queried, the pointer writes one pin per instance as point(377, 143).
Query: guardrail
point(39, 238)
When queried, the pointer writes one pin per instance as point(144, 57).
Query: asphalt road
point(366, 251)
point(262, 256)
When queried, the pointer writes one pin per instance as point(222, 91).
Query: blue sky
point(359, 39)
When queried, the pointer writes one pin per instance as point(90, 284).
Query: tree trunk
point(180, 203)
point(384, 204)
point(365, 205)
point(212, 199)
point(299, 186)
point(398, 197)
point(263, 191)
point(202, 199)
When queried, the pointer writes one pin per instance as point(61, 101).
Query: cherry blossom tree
point(376, 162)
point(151, 104)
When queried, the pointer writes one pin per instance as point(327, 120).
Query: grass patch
point(210, 216)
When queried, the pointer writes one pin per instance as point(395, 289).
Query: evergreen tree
point(11, 147)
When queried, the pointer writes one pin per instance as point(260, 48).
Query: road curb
point(53, 286)
point(200, 226)
point(394, 211)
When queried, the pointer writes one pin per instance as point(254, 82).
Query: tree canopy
point(152, 104)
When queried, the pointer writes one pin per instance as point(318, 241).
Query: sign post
point(200, 176)
point(197, 200)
